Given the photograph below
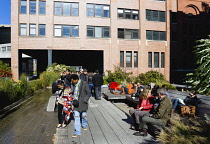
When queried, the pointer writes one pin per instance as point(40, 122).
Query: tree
point(200, 79)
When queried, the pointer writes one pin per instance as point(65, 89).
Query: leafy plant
point(200, 79)
point(119, 75)
point(59, 68)
point(5, 70)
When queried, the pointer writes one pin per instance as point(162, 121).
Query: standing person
point(63, 101)
point(83, 75)
point(143, 107)
point(81, 94)
point(97, 83)
point(158, 117)
point(67, 78)
point(90, 82)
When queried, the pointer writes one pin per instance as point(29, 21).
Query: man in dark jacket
point(157, 117)
point(97, 83)
point(83, 75)
point(81, 93)
point(67, 79)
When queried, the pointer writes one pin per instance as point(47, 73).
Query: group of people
point(73, 93)
point(156, 107)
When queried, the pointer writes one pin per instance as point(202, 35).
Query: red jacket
point(145, 103)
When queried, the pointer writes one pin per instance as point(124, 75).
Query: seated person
point(190, 100)
point(158, 117)
point(143, 107)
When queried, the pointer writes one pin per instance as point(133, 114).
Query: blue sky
point(5, 16)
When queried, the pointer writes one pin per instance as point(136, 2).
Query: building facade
point(134, 34)
point(189, 23)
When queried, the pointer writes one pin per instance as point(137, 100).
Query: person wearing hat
point(83, 75)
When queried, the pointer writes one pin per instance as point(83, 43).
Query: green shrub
point(119, 75)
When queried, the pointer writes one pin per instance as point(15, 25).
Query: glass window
point(66, 8)
point(149, 35)
point(128, 34)
point(32, 7)
point(57, 30)
point(105, 11)
point(66, 31)
point(162, 59)
point(135, 14)
point(3, 49)
point(23, 6)
point(90, 10)
point(98, 32)
point(75, 31)
point(23, 29)
point(42, 30)
point(135, 34)
point(42, 7)
point(156, 59)
point(90, 31)
point(162, 35)
point(120, 13)
point(98, 10)
point(135, 59)
point(58, 8)
point(155, 35)
point(149, 59)
point(173, 17)
point(128, 59)
point(128, 14)
point(155, 15)
point(121, 58)
point(32, 30)
point(8, 48)
point(120, 33)
point(106, 32)
point(75, 9)
point(149, 15)
point(161, 16)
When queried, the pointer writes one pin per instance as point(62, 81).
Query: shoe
point(63, 125)
point(142, 133)
point(84, 128)
point(75, 136)
point(59, 126)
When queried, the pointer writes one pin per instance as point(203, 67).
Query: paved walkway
point(107, 125)
point(32, 124)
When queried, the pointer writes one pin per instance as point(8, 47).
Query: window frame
point(158, 34)
point(32, 29)
point(125, 32)
point(129, 63)
point(150, 15)
point(122, 59)
point(23, 6)
point(156, 59)
point(103, 30)
point(149, 59)
point(94, 10)
point(30, 7)
point(124, 13)
point(40, 29)
point(21, 28)
point(135, 58)
point(40, 6)
point(162, 64)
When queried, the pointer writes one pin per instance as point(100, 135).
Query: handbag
point(188, 110)
point(75, 103)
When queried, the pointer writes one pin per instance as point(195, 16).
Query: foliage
point(59, 68)
point(5, 70)
point(153, 77)
point(193, 131)
point(119, 75)
point(200, 79)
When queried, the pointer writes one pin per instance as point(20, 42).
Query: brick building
point(189, 23)
point(134, 34)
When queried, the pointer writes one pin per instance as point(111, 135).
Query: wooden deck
point(106, 125)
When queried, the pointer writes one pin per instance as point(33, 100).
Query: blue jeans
point(98, 92)
point(176, 103)
point(91, 89)
point(77, 122)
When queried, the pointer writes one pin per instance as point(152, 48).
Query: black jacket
point(97, 80)
point(83, 77)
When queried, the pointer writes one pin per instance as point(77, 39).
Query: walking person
point(90, 83)
point(97, 83)
point(81, 95)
